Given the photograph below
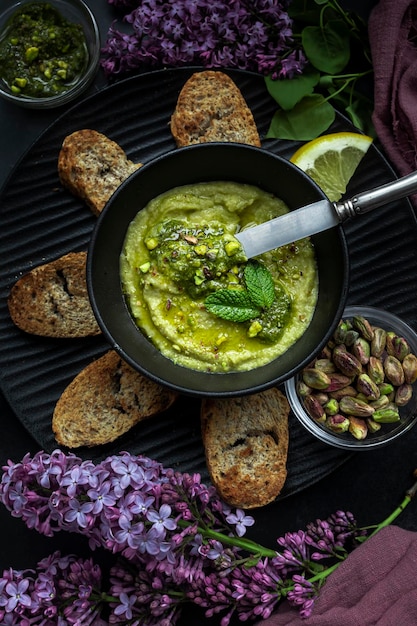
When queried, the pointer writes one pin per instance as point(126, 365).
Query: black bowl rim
point(234, 386)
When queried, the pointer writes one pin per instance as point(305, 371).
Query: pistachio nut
point(358, 428)
point(325, 365)
point(346, 362)
point(315, 378)
point(350, 337)
point(355, 407)
point(331, 407)
point(387, 415)
point(380, 403)
point(397, 346)
point(361, 349)
point(322, 397)
point(314, 408)
point(303, 389)
point(410, 368)
point(394, 370)
point(338, 423)
point(378, 341)
point(386, 389)
point(361, 396)
point(376, 370)
point(326, 352)
point(372, 425)
point(340, 332)
point(363, 326)
point(367, 387)
point(338, 381)
point(403, 394)
point(344, 391)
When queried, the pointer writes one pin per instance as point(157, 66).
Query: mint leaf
point(231, 304)
point(259, 284)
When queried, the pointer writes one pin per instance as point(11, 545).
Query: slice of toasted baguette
point(52, 300)
point(246, 446)
point(105, 400)
point(92, 166)
point(210, 107)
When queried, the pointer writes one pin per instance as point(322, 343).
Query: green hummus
point(180, 252)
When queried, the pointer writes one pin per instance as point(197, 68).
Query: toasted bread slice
point(105, 400)
point(210, 107)
point(246, 446)
point(52, 300)
point(92, 166)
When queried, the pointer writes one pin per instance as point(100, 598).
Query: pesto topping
point(41, 53)
point(205, 261)
point(201, 259)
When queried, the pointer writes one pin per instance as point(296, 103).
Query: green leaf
point(288, 91)
point(328, 47)
point(360, 113)
point(260, 285)
point(234, 305)
point(308, 119)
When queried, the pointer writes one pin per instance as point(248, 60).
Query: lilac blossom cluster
point(63, 590)
point(174, 539)
point(254, 35)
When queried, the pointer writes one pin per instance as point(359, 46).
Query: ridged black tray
point(40, 221)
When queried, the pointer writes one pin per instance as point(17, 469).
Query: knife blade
point(321, 215)
point(308, 220)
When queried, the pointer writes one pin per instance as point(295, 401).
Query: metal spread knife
point(319, 216)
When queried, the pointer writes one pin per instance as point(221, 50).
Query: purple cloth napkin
point(375, 586)
point(393, 40)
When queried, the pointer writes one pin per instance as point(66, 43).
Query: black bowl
point(201, 163)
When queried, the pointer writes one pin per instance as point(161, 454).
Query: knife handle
point(369, 200)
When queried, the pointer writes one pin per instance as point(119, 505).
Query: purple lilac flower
point(161, 519)
point(255, 35)
point(302, 596)
point(17, 596)
point(332, 537)
point(60, 586)
point(179, 543)
point(138, 596)
point(241, 521)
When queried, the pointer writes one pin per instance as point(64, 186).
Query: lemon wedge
point(330, 160)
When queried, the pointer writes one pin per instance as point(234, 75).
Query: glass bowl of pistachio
point(360, 392)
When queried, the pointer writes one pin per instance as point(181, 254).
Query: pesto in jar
point(180, 251)
point(42, 54)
